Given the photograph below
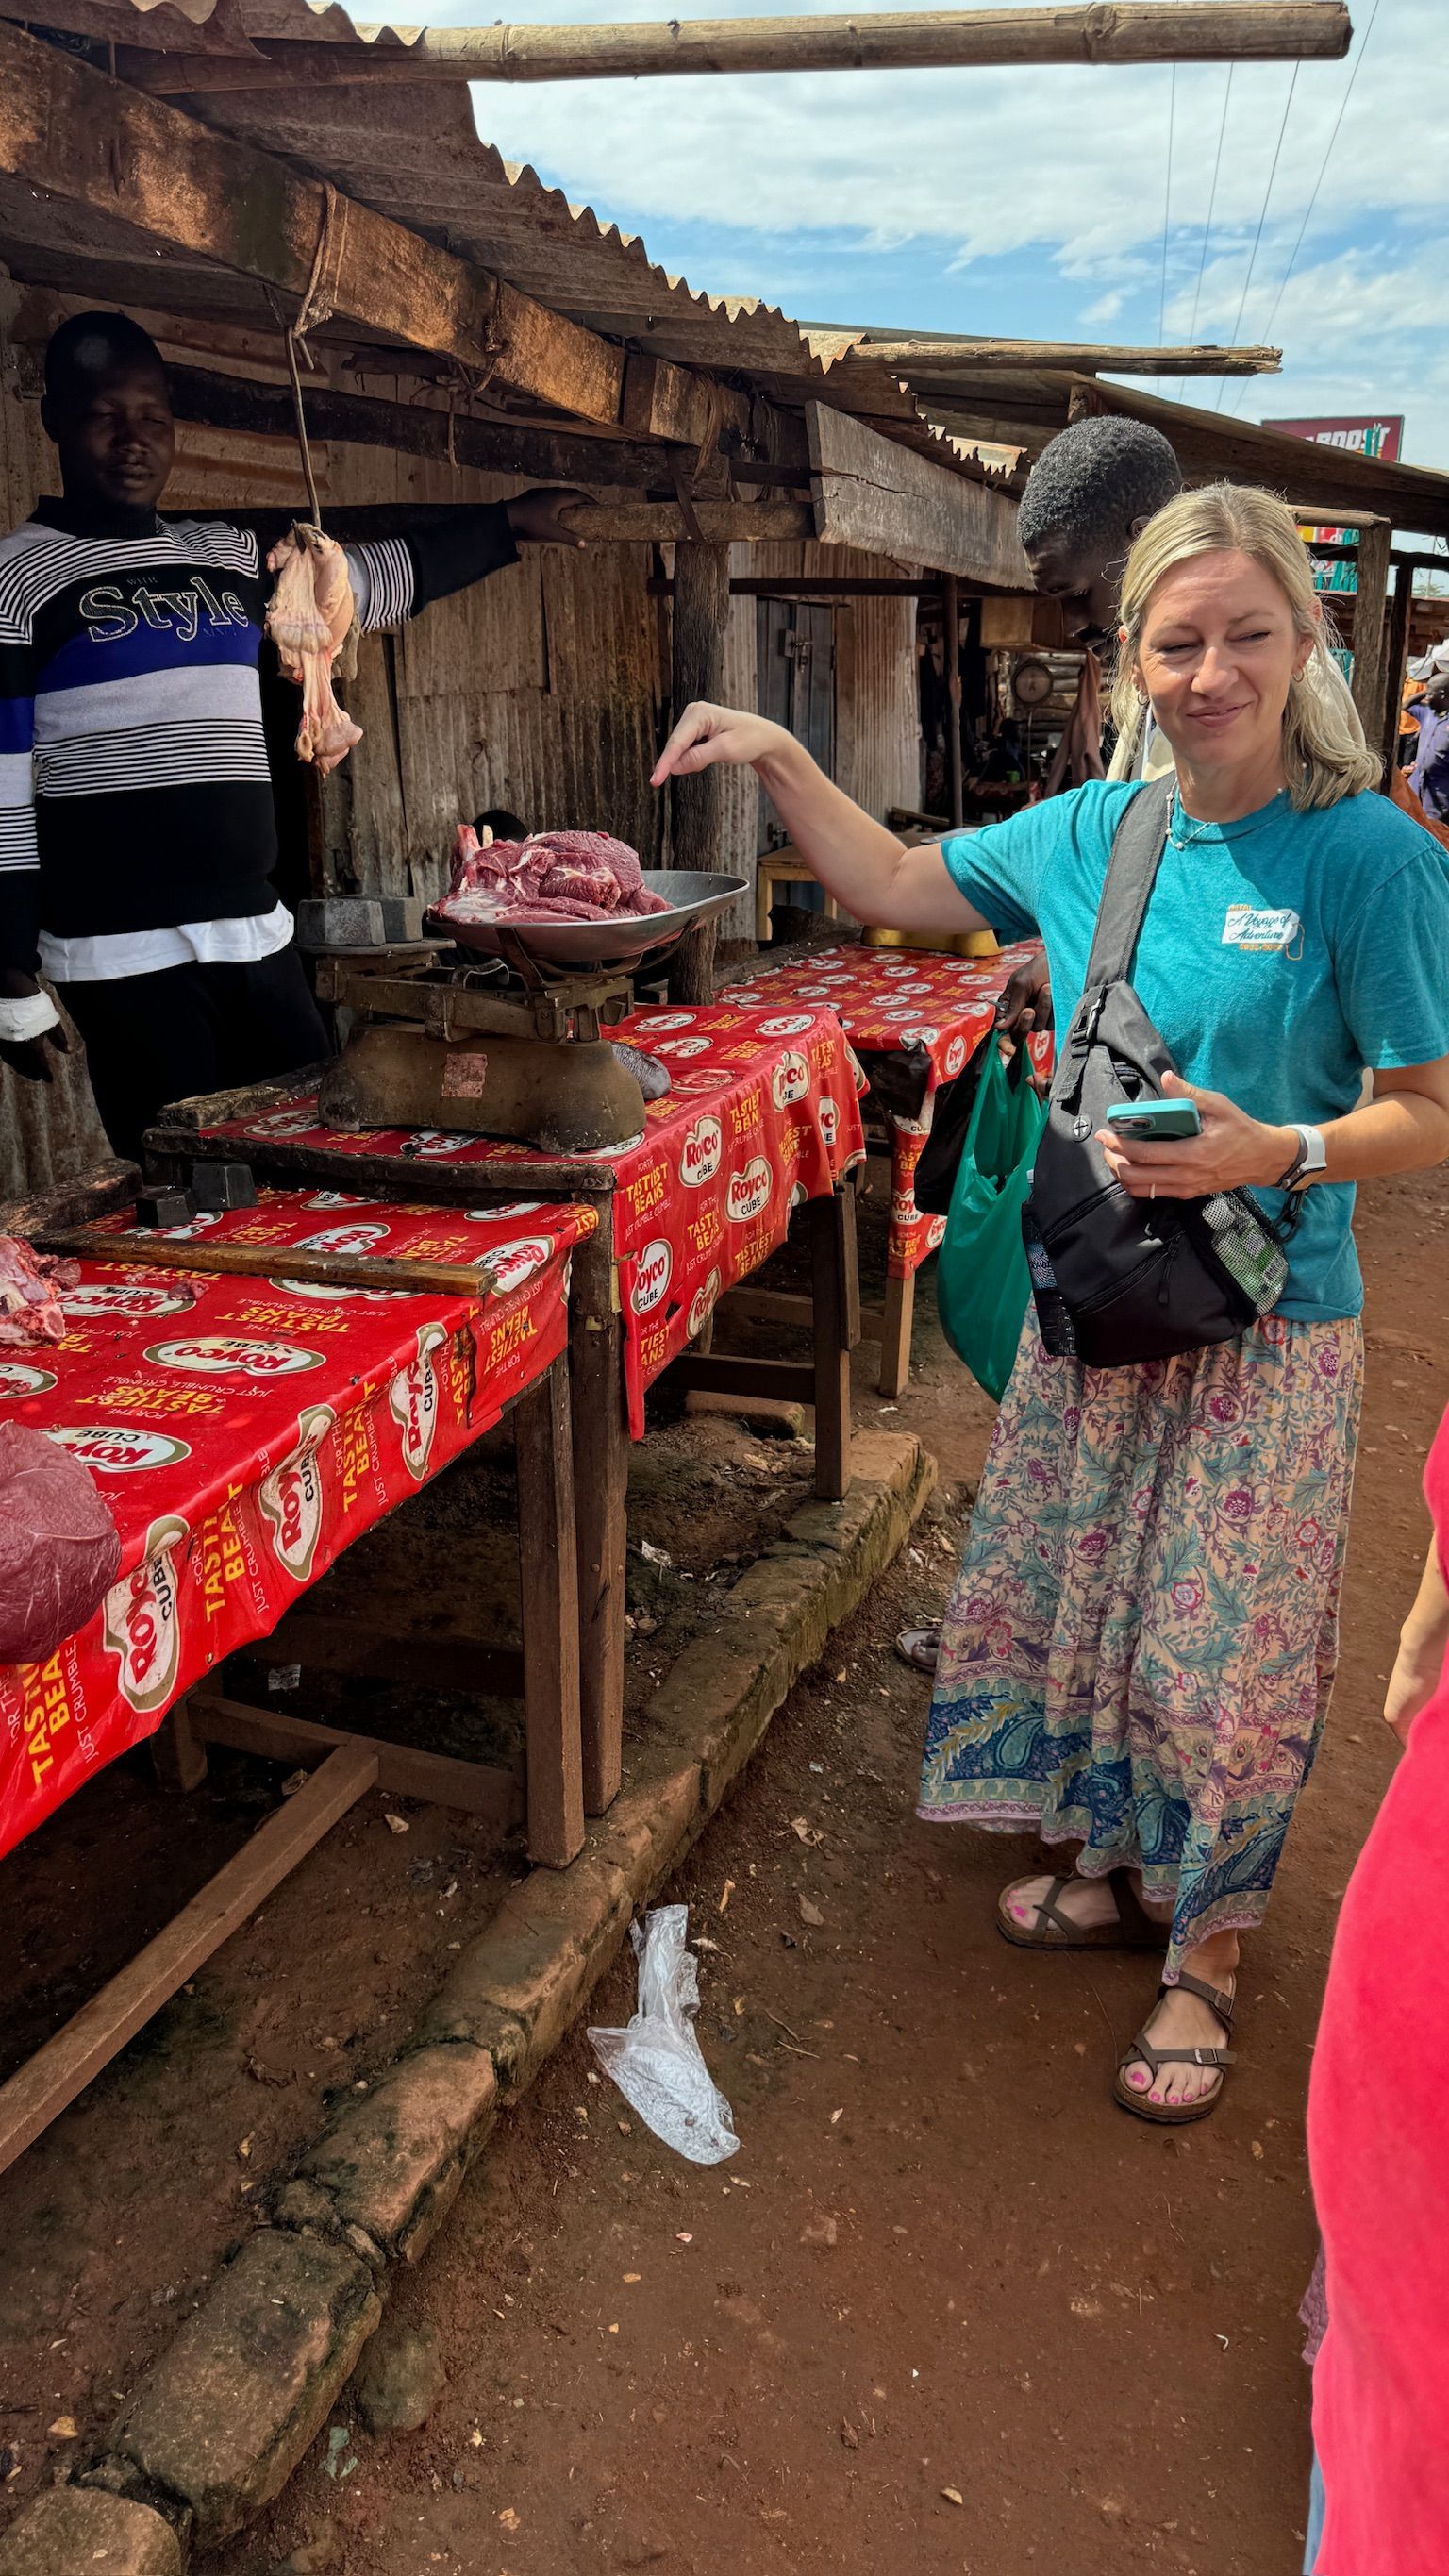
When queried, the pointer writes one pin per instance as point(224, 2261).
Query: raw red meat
point(30, 1286)
point(552, 876)
point(59, 1547)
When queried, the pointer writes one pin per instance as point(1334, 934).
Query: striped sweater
point(134, 787)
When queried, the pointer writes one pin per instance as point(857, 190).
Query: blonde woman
point(1138, 1653)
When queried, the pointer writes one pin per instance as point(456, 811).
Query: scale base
point(568, 1096)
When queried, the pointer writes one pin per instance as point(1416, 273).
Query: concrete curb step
point(217, 2425)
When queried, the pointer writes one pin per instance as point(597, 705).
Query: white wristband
point(28, 1017)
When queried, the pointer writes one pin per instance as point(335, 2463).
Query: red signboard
point(1378, 434)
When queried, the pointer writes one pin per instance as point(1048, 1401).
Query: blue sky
point(1031, 203)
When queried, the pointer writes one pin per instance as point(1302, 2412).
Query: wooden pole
point(923, 355)
point(701, 619)
point(951, 652)
point(1109, 31)
point(1392, 667)
point(1370, 607)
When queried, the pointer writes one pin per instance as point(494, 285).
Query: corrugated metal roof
point(414, 153)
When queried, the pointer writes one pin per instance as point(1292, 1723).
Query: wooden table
point(243, 1431)
point(747, 1090)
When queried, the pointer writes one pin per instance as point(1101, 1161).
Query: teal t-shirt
point(1280, 956)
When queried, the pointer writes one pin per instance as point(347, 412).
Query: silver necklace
point(1188, 838)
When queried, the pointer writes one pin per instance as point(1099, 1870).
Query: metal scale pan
point(692, 895)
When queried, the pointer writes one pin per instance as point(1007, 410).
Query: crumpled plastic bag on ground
point(656, 2061)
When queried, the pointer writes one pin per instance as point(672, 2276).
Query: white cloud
point(1107, 307)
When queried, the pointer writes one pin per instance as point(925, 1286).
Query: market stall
point(244, 1426)
point(914, 1018)
point(761, 1116)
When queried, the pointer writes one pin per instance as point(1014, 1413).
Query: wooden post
point(178, 1752)
point(835, 1287)
point(547, 1544)
point(601, 1485)
point(1371, 566)
point(951, 647)
point(1392, 670)
point(701, 617)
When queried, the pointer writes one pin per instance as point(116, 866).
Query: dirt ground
point(946, 2301)
point(948, 2307)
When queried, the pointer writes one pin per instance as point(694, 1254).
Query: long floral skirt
point(1140, 1647)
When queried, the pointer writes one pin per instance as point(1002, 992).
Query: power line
point(1262, 219)
point(1318, 182)
point(1208, 226)
point(1167, 209)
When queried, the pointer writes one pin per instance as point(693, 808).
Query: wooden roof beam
point(1107, 31)
point(80, 138)
point(928, 358)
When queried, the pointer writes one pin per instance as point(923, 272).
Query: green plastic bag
point(982, 1281)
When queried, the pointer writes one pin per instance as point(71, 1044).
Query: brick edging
point(217, 2425)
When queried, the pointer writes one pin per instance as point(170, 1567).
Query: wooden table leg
point(836, 1285)
point(895, 1334)
point(547, 1540)
point(178, 1753)
point(601, 1482)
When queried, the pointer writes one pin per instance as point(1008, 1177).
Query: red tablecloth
point(244, 1431)
point(762, 1114)
point(889, 1000)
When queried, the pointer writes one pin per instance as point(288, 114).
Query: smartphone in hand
point(1157, 1121)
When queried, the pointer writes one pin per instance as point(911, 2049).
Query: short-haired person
point(137, 825)
point(1138, 1652)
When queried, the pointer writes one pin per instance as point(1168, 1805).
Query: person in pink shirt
point(1378, 2140)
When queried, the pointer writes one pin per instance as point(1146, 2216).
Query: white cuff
point(28, 1017)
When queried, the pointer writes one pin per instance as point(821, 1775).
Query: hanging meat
point(309, 617)
point(30, 1290)
point(551, 876)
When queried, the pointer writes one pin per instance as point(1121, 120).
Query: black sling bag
point(1119, 1280)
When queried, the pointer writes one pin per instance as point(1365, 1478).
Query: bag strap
point(1137, 847)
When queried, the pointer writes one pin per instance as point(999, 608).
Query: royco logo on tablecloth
point(514, 1209)
point(233, 1355)
point(794, 1027)
point(413, 1401)
point(509, 1264)
point(829, 1117)
point(343, 1238)
point(790, 1080)
point(291, 1497)
point(702, 1304)
point(141, 1620)
point(750, 1190)
point(320, 1294)
point(119, 1448)
point(337, 1198)
point(653, 1272)
point(97, 1297)
point(955, 1057)
point(17, 1379)
point(701, 1153)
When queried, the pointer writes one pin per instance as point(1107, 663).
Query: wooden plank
point(768, 1306)
point(835, 1285)
point(939, 357)
point(547, 1550)
point(282, 1160)
point(1128, 31)
point(601, 1486)
point(474, 1788)
point(98, 1192)
point(62, 2069)
point(178, 1755)
point(718, 523)
point(893, 1331)
point(78, 136)
point(873, 493)
point(248, 1099)
point(266, 1261)
point(1386, 735)
point(1370, 614)
point(724, 1373)
point(445, 1661)
point(951, 667)
point(662, 400)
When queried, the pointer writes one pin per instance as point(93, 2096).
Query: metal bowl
point(691, 894)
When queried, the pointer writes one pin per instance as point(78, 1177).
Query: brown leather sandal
point(1175, 2115)
point(1133, 1929)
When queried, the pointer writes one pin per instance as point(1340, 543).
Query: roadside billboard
point(1378, 434)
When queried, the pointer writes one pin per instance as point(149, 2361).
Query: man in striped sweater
point(137, 825)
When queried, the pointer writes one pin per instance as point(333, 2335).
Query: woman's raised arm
point(857, 861)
